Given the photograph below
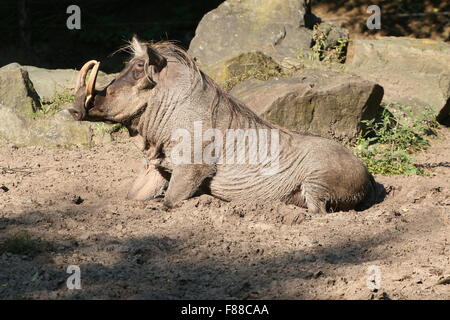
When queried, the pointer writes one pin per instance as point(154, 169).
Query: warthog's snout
point(78, 114)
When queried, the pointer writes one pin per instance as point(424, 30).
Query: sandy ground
point(209, 249)
point(418, 19)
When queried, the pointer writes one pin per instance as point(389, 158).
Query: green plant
point(341, 50)
point(59, 100)
point(326, 51)
point(107, 128)
point(388, 144)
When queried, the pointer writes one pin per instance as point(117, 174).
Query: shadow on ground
point(154, 267)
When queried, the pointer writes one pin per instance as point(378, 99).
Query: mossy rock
point(17, 91)
point(249, 65)
point(51, 82)
point(25, 121)
point(54, 131)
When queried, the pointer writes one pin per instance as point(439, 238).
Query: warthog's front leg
point(185, 181)
point(149, 184)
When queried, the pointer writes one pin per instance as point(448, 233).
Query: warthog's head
point(126, 94)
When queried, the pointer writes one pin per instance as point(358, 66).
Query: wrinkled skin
point(161, 90)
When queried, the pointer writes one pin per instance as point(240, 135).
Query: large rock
point(324, 102)
point(22, 123)
point(56, 131)
point(413, 72)
point(274, 27)
point(49, 82)
point(17, 91)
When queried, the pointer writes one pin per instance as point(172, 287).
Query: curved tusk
point(82, 74)
point(90, 90)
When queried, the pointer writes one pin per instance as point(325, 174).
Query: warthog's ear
point(155, 59)
point(156, 63)
point(144, 50)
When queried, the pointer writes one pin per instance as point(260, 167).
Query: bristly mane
point(170, 49)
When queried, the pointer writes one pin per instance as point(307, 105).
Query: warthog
point(162, 91)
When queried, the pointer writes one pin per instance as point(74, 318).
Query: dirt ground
point(71, 206)
point(406, 18)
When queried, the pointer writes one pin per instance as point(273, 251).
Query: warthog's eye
point(139, 65)
point(138, 70)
